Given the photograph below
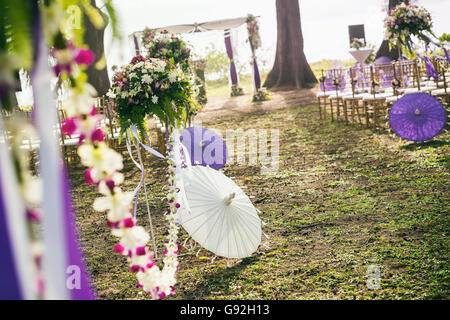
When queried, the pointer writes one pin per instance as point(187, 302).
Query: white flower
point(111, 94)
point(146, 78)
point(98, 176)
point(172, 77)
point(80, 101)
point(100, 158)
point(156, 281)
point(130, 238)
point(86, 126)
point(150, 279)
point(141, 261)
point(138, 65)
point(32, 190)
point(154, 99)
point(37, 249)
point(160, 66)
point(117, 205)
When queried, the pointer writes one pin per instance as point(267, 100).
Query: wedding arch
point(225, 25)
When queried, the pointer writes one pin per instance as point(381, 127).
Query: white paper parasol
point(222, 218)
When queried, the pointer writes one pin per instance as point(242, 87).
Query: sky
point(324, 24)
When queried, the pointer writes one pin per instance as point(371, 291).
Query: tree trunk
point(94, 38)
point(384, 51)
point(290, 69)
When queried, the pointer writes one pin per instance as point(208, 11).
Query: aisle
point(344, 198)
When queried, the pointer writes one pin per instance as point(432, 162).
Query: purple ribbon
point(256, 75)
point(233, 72)
point(74, 255)
point(9, 279)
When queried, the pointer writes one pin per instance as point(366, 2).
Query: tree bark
point(384, 51)
point(290, 69)
point(94, 38)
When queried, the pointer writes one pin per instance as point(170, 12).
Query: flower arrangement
point(253, 32)
point(150, 87)
point(236, 90)
point(260, 95)
point(406, 20)
point(165, 46)
point(357, 43)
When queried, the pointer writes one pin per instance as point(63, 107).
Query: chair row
point(365, 94)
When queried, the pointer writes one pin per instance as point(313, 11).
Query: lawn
point(344, 198)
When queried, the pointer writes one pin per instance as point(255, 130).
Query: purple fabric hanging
point(256, 75)
point(74, 254)
point(228, 46)
point(9, 279)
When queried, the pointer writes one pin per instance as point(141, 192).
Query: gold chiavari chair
point(336, 97)
point(68, 143)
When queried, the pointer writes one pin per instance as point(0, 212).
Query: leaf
point(113, 18)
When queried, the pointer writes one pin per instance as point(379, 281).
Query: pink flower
point(59, 68)
point(69, 126)
point(33, 215)
point(81, 139)
point(88, 177)
point(113, 225)
point(84, 56)
point(97, 135)
point(119, 248)
point(140, 251)
point(129, 223)
point(135, 268)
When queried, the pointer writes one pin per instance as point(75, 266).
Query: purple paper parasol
point(205, 147)
point(417, 117)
